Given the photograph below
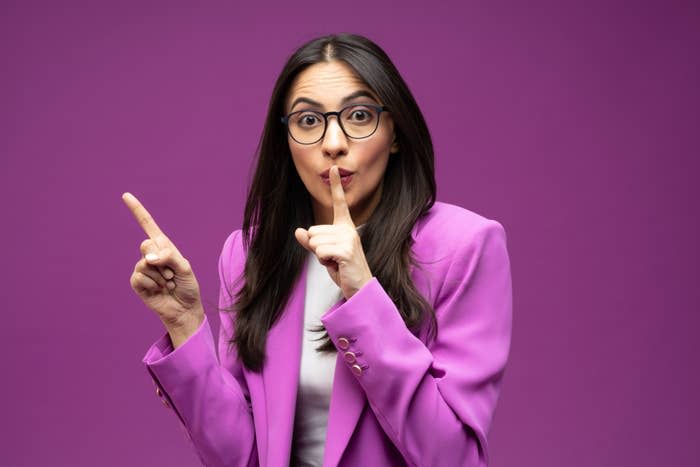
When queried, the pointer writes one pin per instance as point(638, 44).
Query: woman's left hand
point(338, 246)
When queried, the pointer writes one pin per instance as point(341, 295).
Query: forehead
point(327, 83)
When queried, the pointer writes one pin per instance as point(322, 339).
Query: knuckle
point(138, 281)
point(140, 265)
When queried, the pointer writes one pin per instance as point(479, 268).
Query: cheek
point(375, 173)
point(299, 158)
point(375, 160)
point(302, 163)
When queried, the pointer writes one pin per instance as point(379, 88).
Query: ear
point(394, 146)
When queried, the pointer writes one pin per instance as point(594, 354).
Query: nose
point(335, 142)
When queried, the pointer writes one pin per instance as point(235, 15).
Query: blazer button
point(159, 393)
point(350, 358)
point(166, 403)
point(343, 343)
point(356, 370)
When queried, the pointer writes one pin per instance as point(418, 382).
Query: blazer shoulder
point(448, 227)
point(451, 244)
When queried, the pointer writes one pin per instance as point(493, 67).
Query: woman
point(362, 322)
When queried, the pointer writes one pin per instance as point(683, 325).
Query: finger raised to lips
point(341, 212)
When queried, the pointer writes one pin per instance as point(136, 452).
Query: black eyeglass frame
point(378, 108)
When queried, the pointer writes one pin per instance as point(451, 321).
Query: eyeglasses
point(357, 121)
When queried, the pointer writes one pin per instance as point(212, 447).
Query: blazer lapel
point(348, 399)
point(281, 375)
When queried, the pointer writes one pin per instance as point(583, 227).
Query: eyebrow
point(349, 97)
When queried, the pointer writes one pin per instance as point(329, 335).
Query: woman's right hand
point(164, 279)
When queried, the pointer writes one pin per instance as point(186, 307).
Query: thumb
point(302, 237)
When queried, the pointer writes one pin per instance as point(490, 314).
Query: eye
point(307, 120)
point(360, 114)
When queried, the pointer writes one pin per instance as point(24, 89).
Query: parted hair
point(278, 202)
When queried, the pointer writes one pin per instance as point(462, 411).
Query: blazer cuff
point(372, 337)
point(188, 361)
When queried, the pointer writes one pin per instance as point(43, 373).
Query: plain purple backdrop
point(573, 124)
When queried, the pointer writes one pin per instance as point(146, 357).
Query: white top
point(317, 370)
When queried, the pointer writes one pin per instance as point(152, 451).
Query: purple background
point(576, 126)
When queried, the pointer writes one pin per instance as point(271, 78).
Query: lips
point(346, 177)
point(343, 173)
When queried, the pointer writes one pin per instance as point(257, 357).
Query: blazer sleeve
point(436, 401)
point(210, 400)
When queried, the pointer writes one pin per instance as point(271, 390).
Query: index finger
point(142, 216)
point(341, 212)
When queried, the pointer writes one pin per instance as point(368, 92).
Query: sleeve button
point(356, 370)
point(350, 358)
point(343, 343)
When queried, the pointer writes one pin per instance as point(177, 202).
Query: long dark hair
point(278, 202)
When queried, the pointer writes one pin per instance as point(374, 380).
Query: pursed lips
point(346, 177)
point(343, 173)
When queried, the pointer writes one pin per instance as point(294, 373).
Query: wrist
point(183, 329)
point(359, 286)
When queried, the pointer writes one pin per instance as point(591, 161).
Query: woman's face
point(329, 86)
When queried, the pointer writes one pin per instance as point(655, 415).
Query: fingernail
point(151, 257)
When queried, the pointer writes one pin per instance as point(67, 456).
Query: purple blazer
point(395, 400)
